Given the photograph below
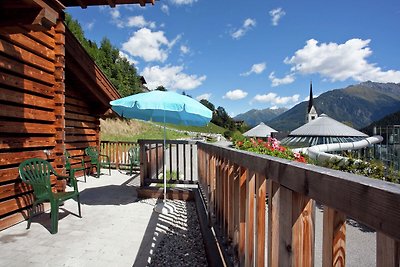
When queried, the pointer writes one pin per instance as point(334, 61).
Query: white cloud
point(165, 9)
point(235, 94)
point(130, 59)
point(276, 14)
point(203, 96)
point(89, 25)
point(273, 107)
point(150, 46)
point(184, 49)
point(247, 25)
point(183, 2)
point(273, 98)
point(139, 22)
point(339, 62)
point(171, 77)
point(115, 14)
point(279, 81)
point(256, 68)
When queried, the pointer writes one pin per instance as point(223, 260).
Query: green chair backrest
point(67, 160)
point(133, 153)
point(36, 172)
point(92, 152)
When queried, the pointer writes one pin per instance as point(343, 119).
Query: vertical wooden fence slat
point(177, 160)
point(191, 162)
point(157, 167)
point(225, 199)
point(242, 216)
point(334, 238)
point(212, 170)
point(280, 225)
point(261, 191)
point(236, 196)
point(184, 161)
point(170, 160)
point(303, 216)
point(387, 251)
point(250, 196)
point(231, 224)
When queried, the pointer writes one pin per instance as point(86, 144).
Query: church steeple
point(311, 112)
point(310, 101)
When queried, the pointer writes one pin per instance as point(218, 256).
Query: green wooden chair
point(96, 159)
point(36, 172)
point(71, 170)
point(134, 158)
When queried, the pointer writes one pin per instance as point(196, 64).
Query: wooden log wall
point(81, 126)
point(235, 183)
point(31, 96)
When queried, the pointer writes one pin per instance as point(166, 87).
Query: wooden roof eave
point(82, 66)
point(111, 3)
point(34, 15)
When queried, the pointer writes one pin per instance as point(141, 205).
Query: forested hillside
point(118, 69)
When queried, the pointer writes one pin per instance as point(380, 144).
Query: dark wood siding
point(28, 113)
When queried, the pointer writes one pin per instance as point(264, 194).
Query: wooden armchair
point(96, 159)
point(36, 172)
point(72, 169)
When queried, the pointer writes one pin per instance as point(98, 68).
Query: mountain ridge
point(357, 105)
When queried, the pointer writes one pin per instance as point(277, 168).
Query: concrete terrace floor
point(116, 229)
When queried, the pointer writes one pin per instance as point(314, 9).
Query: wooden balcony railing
point(117, 152)
point(181, 161)
point(264, 207)
point(235, 185)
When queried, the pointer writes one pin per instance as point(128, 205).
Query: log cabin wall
point(52, 95)
point(31, 100)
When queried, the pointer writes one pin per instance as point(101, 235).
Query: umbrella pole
point(165, 164)
point(163, 207)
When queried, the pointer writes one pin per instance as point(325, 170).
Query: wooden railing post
point(250, 197)
point(280, 225)
point(242, 216)
point(261, 192)
point(387, 251)
point(303, 230)
point(334, 238)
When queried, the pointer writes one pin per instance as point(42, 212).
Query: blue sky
point(253, 55)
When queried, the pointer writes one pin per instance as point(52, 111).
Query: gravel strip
point(182, 242)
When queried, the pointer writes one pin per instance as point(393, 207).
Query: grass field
point(132, 130)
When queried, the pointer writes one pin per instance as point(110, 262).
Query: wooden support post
point(334, 238)
point(236, 198)
point(280, 225)
point(387, 251)
point(59, 96)
point(303, 220)
point(231, 176)
point(261, 188)
point(250, 196)
point(242, 215)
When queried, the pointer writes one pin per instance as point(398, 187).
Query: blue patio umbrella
point(166, 107)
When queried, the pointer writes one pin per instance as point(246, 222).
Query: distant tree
point(118, 70)
point(161, 88)
point(184, 93)
point(208, 104)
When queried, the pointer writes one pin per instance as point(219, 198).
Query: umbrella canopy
point(167, 107)
point(160, 106)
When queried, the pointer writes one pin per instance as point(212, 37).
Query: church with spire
point(311, 111)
